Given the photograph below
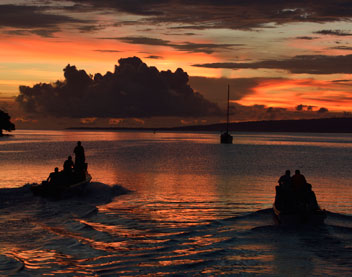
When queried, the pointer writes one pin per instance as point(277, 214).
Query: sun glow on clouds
point(290, 93)
point(89, 53)
point(68, 48)
point(94, 35)
point(309, 38)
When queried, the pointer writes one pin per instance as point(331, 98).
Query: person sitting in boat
point(79, 155)
point(283, 198)
point(310, 198)
point(285, 180)
point(305, 196)
point(68, 166)
point(298, 181)
point(80, 165)
point(53, 176)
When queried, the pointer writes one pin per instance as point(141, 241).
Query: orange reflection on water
point(192, 193)
point(179, 262)
point(99, 245)
point(35, 259)
point(204, 240)
point(172, 262)
point(116, 229)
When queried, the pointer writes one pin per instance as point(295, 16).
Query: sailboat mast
point(228, 108)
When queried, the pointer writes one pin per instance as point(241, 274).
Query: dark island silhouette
point(5, 123)
point(322, 125)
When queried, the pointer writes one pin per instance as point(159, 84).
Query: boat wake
point(98, 234)
point(96, 193)
point(102, 192)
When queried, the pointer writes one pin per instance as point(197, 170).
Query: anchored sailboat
point(226, 137)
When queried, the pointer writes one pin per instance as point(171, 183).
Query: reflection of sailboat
point(226, 137)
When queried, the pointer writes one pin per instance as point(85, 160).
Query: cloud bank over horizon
point(304, 64)
point(38, 17)
point(133, 90)
point(276, 56)
point(240, 15)
point(138, 95)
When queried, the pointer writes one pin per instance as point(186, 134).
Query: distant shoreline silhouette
point(324, 125)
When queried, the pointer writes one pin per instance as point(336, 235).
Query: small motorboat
point(313, 217)
point(291, 208)
point(64, 188)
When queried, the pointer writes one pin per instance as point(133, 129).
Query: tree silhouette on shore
point(5, 123)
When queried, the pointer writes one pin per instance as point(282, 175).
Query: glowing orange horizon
point(30, 59)
point(308, 92)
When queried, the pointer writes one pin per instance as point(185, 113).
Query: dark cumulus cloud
point(154, 57)
point(323, 110)
point(233, 14)
point(132, 90)
point(48, 33)
point(207, 48)
point(90, 28)
point(310, 64)
point(342, 81)
point(185, 14)
point(215, 89)
point(306, 38)
point(32, 19)
point(334, 33)
point(342, 47)
point(143, 40)
point(302, 107)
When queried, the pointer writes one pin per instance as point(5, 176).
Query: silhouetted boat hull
point(311, 217)
point(59, 191)
point(226, 138)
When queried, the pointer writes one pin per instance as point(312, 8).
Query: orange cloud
point(115, 121)
point(290, 93)
point(88, 120)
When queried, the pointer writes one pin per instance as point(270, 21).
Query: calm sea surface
point(173, 204)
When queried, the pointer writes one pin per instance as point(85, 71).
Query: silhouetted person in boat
point(304, 195)
point(285, 180)
point(68, 166)
point(297, 195)
point(284, 200)
point(54, 176)
point(299, 182)
point(79, 157)
point(311, 202)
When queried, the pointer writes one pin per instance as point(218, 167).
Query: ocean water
point(173, 204)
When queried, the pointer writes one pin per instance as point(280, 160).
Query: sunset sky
point(282, 59)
